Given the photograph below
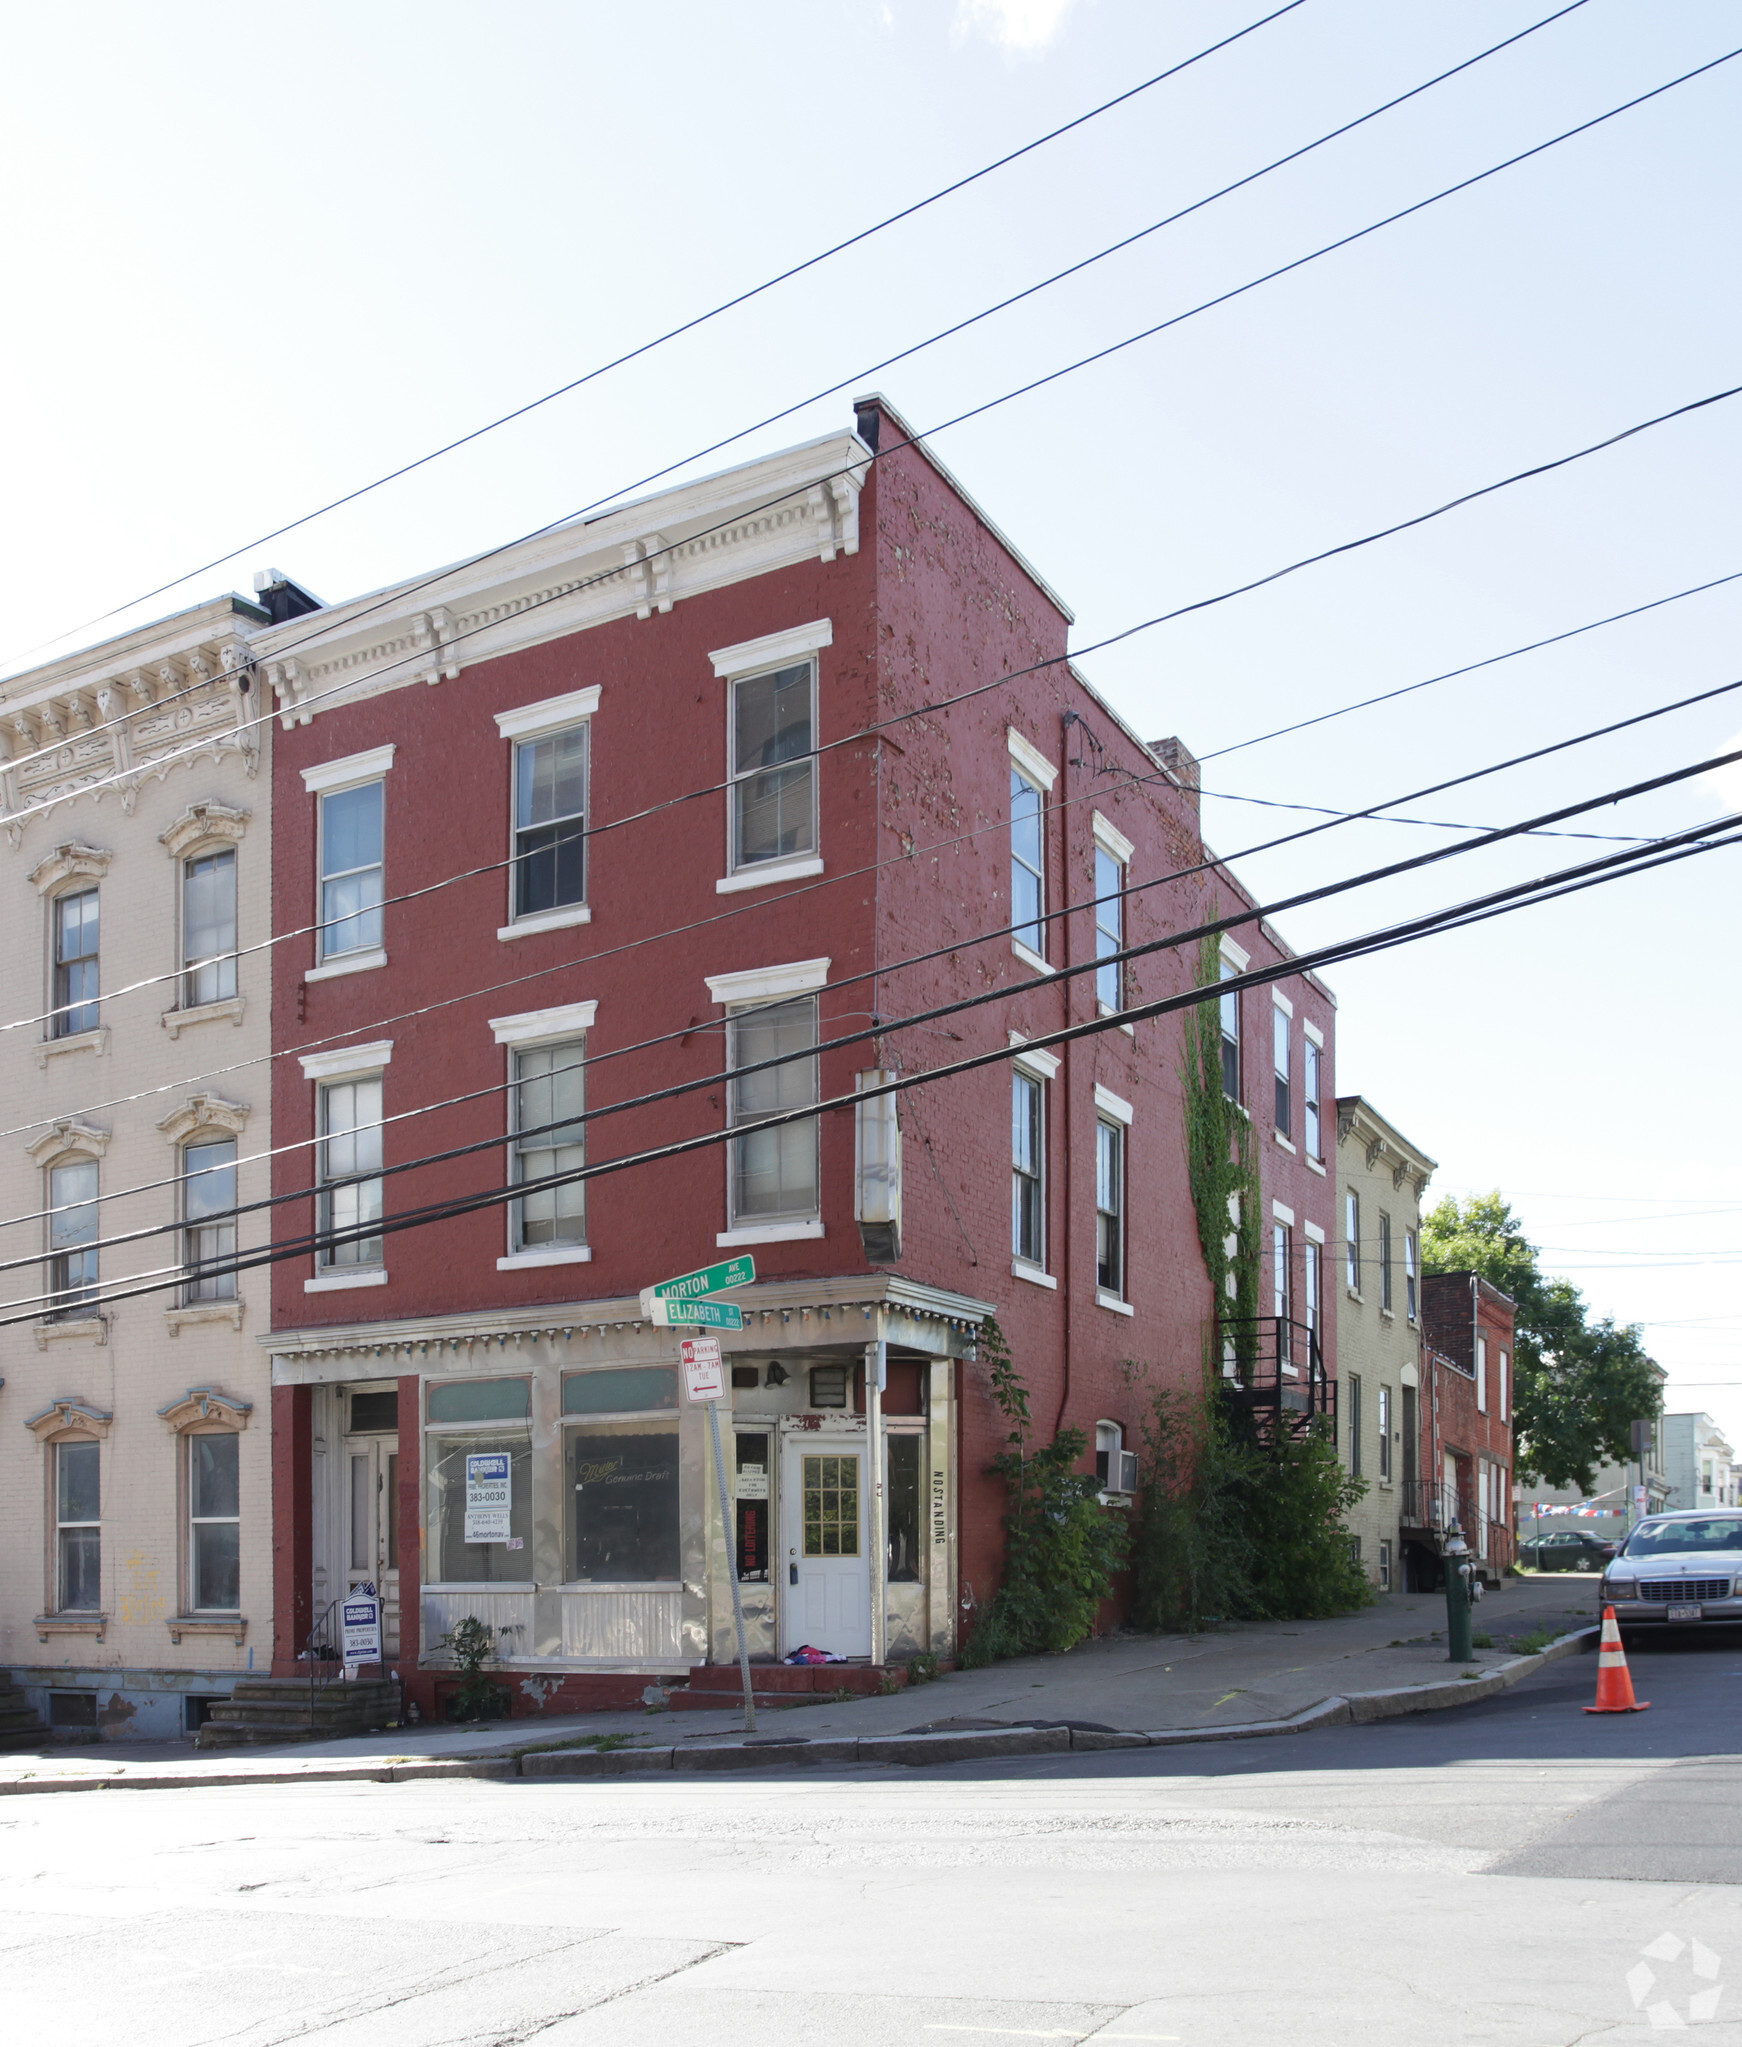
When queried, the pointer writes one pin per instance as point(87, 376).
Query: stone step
point(267, 1710)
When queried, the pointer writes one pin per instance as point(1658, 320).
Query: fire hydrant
point(1462, 1590)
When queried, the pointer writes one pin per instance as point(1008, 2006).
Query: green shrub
point(478, 1696)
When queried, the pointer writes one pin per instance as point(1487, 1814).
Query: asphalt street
point(1515, 1871)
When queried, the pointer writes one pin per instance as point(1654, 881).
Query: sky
point(257, 257)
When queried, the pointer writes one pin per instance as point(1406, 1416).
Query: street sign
point(723, 1278)
point(704, 1370)
point(695, 1314)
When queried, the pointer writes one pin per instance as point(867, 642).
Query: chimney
point(1182, 767)
point(867, 421)
point(280, 598)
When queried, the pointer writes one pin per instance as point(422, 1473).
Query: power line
point(402, 592)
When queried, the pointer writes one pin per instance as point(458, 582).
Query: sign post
point(704, 1374)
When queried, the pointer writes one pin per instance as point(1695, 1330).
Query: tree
point(1577, 1385)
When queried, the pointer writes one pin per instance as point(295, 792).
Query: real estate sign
point(489, 1495)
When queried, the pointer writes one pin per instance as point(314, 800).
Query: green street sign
point(708, 1279)
point(696, 1314)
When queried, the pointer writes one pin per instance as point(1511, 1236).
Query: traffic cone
point(1614, 1685)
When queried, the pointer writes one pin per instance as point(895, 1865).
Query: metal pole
point(732, 1567)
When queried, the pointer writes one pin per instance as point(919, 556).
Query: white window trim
point(1029, 957)
point(769, 872)
point(773, 650)
point(769, 1233)
point(1033, 1274)
point(1113, 1302)
point(1030, 761)
point(347, 963)
point(349, 773)
point(769, 984)
point(1236, 955)
point(557, 1254)
point(1314, 1166)
point(1283, 1215)
point(544, 1026)
point(348, 1062)
point(338, 1282)
point(1287, 1143)
point(1314, 1235)
point(1034, 1060)
point(547, 920)
point(1111, 839)
point(1282, 1002)
point(550, 714)
point(1113, 1106)
point(1312, 1031)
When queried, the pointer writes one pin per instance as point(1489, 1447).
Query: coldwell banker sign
point(489, 1496)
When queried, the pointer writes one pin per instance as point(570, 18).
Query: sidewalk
point(1244, 1676)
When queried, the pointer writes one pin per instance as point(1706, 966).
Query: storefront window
point(623, 1488)
point(902, 1457)
point(750, 1487)
point(480, 1499)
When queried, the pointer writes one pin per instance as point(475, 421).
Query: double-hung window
point(349, 1158)
point(1028, 1169)
point(350, 831)
point(1312, 1290)
point(72, 1239)
point(75, 963)
point(1352, 1237)
point(1282, 1276)
point(1312, 1061)
point(1229, 1005)
point(774, 779)
point(1409, 1274)
point(773, 1174)
point(1384, 1260)
point(1110, 1208)
point(550, 821)
point(78, 1557)
point(1384, 1407)
point(1352, 1408)
point(208, 1207)
point(208, 928)
point(549, 1094)
point(1027, 863)
point(214, 1524)
point(1281, 1026)
point(1112, 866)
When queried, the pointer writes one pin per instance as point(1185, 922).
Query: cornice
point(200, 822)
point(202, 1406)
point(69, 862)
point(68, 1134)
point(204, 1112)
point(69, 1416)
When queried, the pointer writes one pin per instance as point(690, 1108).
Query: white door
point(372, 1526)
point(825, 1585)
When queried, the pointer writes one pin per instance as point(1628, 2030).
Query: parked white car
point(1680, 1569)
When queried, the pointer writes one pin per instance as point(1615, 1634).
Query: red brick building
point(1466, 1453)
point(607, 733)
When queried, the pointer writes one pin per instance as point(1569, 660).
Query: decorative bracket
point(204, 1112)
point(202, 821)
point(69, 1416)
point(202, 1406)
point(69, 1134)
point(71, 862)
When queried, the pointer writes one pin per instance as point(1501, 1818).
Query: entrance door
point(372, 1526)
point(825, 1589)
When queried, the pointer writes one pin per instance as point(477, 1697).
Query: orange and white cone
point(1614, 1683)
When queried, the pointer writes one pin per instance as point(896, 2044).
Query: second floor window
point(549, 1088)
point(1384, 1260)
point(72, 1238)
point(208, 928)
point(1409, 1273)
point(75, 963)
point(1280, 1038)
point(1384, 1407)
point(351, 870)
point(1282, 1276)
point(1352, 1237)
point(1109, 927)
point(350, 1150)
point(1229, 1002)
point(1312, 1289)
point(773, 772)
point(209, 1220)
point(1311, 1084)
point(1352, 1404)
point(550, 821)
point(1028, 1169)
point(773, 1174)
point(78, 1529)
point(1110, 1208)
point(1027, 864)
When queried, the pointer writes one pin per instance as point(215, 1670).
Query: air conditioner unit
point(1117, 1470)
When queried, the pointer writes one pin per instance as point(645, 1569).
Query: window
point(623, 1482)
point(208, 1203)
point(1028, 1169)
point(830, 1491)
point(75, 963)
point(1384, 1566)
point(481, 1506)
point(1027, 864)
point(1352, 1237)
point(1312, 1288)
point(1280, 1039)
point(78, 1529)
point(905, 1527)
point(1384, 1259)
point(208, 928)
point(1352, 1407)
point(1481, 1374)
point(550, 821)
point(1505, 1387)
point(1409, 1274)
point(750, 1505)
point(1110, 1208)
point(549, 1090)
point(351, 870)
point(1384, 1406)
point(350, 1148)
point(1109, 928)
point(772, 1173)
point(1312, 1058)
point(72, 1239)
point(773, 774)
point(1282, 1254)
point(1230, 1006)
point(214, 1525)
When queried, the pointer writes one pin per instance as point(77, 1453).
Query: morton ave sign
point(683, 1303)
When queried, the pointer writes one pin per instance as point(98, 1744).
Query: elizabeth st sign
point(683, 1303)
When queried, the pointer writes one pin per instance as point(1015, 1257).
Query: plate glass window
point(1109, 927)
point(1110, 1208)
point(351, 870)
point(1027, 1169)
point(72, 1237)
point(1027, 865)
point(75, 963)
point(773, 774)
point(350, 1145)
point(1280, 1033)
point(214, 1524)
point(1310, 1083)
point(78, 1528)
point(549, 1091)
point(773, 1173)
point(623, 1489)
point(209, 1220)
point(208, 928)
point(550, 821)
point(470, 1548)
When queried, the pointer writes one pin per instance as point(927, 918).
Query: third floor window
point(208, 928)
point(550, 822)
point(351, 870)
point(773, 773)
point(75, 963)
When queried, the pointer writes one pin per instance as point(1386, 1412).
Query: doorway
point(372, 1505)
point(825, 1591)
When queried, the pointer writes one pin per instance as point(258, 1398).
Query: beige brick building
point(135, 1518)
point(1376, 1261)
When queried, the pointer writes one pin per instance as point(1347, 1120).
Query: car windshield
point(1661, 1538)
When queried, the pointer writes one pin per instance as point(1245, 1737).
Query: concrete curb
point(910, 1750)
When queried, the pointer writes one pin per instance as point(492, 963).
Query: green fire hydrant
point(1459, 1572)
